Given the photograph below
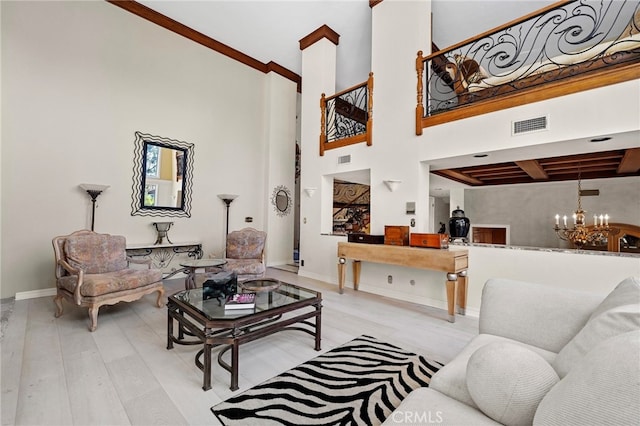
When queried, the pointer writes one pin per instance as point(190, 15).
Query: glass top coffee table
point(208, 323)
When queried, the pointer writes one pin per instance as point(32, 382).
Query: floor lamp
point(227, 199)
point(93, 191)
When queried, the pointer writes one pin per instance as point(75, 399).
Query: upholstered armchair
point(93, 270)
point(245, 253)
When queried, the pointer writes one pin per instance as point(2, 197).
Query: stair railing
point(346, 118)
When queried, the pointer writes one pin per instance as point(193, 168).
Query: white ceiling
point(270, 30)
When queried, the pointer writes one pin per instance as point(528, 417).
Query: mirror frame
point(139, 176)
point(278, 190)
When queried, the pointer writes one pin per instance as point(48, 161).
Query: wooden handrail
point(357, 86)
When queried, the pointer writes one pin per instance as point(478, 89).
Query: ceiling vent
point(345, 159)
point(531, 125)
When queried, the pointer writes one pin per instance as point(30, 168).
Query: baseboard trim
point(45, 292)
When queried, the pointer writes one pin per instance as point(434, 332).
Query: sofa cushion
point(245, 266)
point(451, 379)
point(602, 388)
point(618, 313)
point(507, 381)
point(99, 284)
point(425, 406)
point(96, 253)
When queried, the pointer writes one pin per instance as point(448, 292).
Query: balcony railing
point(567, 47)
point(346, 118)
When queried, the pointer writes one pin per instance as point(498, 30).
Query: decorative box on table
point(365, 238)
point(439, 241)
point(396, 235)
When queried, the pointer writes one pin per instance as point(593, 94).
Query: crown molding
point(193, 35)
point(322, 32)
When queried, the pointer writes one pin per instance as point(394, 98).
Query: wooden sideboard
point(453, 262)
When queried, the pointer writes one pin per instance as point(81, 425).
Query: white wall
point(281, 137)
point(401, 28)
point(78, 79)
point(530, 209)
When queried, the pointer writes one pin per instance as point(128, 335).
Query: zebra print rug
point(358, 383)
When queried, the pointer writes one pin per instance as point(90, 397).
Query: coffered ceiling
point(604, 164)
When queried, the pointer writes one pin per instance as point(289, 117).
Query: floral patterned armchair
point(93, 270)
point(245, 253)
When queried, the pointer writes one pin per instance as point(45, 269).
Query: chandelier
point(581, 234)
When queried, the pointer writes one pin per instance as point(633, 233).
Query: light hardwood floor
point(55, 372)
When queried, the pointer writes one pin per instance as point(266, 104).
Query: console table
point(166, 256)
point(453, 262)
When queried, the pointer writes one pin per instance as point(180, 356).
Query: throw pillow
point(618, 313)
point(602, 388)
point(625, 293)
point(507, 381)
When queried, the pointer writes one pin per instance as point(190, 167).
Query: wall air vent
point(531, 125)
point(589, 192)
point(345, 159)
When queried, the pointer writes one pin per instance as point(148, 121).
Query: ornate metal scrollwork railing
point(556, 45)
point(347, 117)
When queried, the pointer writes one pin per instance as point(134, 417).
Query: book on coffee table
point(241, 301)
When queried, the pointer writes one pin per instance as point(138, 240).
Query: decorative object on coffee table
point(256, 286)
point(162, 228)
point(219, 285)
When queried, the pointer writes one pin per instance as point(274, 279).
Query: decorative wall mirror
point(162, 177)
point(281, 200)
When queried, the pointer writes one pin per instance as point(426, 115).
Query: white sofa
point(544, 355)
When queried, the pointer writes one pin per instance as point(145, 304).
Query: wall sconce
point(310, 191)
point(93, 191)
point(392, 184)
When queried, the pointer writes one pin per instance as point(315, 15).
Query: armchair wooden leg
point(160, 301)
point(58, 302)
point(93, 316)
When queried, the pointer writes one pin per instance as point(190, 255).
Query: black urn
point(458, 224)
